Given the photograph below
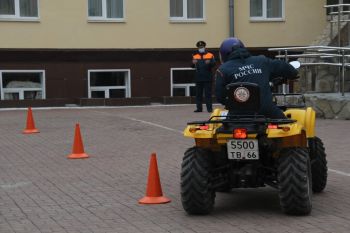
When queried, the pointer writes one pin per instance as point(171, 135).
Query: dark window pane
point(115, 9)
point(194, 9)
point(179, 92)
point(21, 80)
point(31, 95)
point(256, 8)
point(183, 76)
point(117, 93)
point(7, 7)
point(97, 94)
point(176, 8)
point(28, 8)
point(274, 9)
point(95, 7)
point(107, 78)
point(11, 96)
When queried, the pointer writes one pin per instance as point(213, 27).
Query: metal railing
point(335, 56)
point(326, 55)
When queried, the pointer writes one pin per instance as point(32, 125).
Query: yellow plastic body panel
point(305, 117)
point(296, 135)
point(209, 133)
point(294, 129)
point(198, 133)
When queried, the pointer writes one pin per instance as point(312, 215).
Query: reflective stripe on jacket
point(203, 70)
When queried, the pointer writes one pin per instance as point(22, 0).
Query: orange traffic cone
point(30, 127)
point(154, 194)
point(78, 147)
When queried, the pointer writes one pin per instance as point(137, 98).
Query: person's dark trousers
point(205, 87)
point(277, 113)
point(274, 112)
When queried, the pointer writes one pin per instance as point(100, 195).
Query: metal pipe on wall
point(343, 73)
point(340, 11)
point(232, 16)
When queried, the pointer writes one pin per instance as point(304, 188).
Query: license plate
point(243, 149)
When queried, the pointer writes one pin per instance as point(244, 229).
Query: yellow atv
point(250, 151)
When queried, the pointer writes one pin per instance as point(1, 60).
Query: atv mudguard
point(306, 117)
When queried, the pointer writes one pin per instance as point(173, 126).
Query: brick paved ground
point(42, 191)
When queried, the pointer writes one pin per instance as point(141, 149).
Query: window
point(182, 82)
point(106, 10)
point(188, 10)
point(21, 85)
point(109, 83)
point(19, 9)
point(266, 9)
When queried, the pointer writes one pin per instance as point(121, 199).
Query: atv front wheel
point(197, 197)
point(318, 164)
point(295, 181)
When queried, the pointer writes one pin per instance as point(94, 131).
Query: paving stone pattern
point(41, 191)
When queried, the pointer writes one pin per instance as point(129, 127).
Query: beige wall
point(63, 24)
point(304, 21)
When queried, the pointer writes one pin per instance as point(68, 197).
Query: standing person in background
point(203, 61)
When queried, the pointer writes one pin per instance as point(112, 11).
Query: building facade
point(114, 51)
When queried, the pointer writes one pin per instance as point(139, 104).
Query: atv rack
point(241, 119)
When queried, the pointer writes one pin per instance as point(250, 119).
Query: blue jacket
point(242, 67)
point(203, 70)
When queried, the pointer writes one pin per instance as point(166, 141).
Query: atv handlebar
point(282, 80)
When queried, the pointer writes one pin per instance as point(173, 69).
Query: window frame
point(104, 18)
point(264, 13)
point(17, 16)
point(127, 86)
point(184, 18)
point(186, 86)
point(21, 90)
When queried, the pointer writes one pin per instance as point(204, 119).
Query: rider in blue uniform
point(238, 65)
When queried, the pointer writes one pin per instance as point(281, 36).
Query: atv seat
point(242, 98)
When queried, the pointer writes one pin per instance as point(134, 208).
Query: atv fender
point(192, 131)
point(298, 140)
point(305, 117)
point(294, 129)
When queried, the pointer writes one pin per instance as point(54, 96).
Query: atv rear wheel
point(197, 197)
point(318, 164)
point(295, 181)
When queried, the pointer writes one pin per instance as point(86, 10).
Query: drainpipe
point(231, 24)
